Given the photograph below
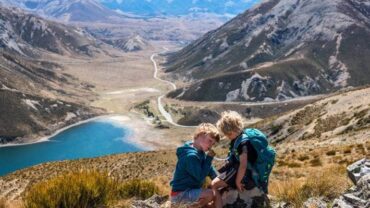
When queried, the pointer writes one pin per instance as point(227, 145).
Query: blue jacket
point(192, 168)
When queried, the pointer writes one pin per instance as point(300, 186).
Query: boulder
point(358, 170)
point(246, 199)
point(153, 202)
point(315, 203)
point(358, 195)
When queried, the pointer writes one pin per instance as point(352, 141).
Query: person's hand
point(239, 186)
point(211, 153)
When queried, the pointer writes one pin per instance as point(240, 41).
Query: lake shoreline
point(115, 119)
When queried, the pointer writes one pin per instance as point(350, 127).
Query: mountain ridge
point(278, 50)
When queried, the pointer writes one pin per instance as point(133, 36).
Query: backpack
point(262, 168)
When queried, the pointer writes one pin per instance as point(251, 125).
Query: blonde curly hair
point(230, 121)
point(207, 129)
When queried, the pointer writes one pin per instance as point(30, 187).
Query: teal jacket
point(192, 167)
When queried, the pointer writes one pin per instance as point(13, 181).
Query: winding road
point(161, 109)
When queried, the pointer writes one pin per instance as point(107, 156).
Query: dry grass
point(331, 153)
point(86, 189)
point(316, 162)
point(328, 183)
point(2, 203)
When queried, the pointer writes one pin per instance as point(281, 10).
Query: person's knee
point(217, 183)
point(209, 194)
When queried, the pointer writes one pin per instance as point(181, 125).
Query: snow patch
point(232, 95)
point(247, 83)
point(70, 116)
point(207, 58)
point(31, 103)
point(342, 74)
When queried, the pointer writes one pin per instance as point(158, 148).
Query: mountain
point(279, 50)
point(29, 35)
point(135, 43)
point(36, 97)
point(71, 10)
point(178, 7)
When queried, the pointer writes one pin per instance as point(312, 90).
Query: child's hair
point(230, 121)
point(208, 129)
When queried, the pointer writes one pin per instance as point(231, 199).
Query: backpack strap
point(234, 151)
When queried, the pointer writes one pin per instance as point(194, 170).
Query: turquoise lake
point(91, 139)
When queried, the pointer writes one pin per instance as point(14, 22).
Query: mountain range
point(112, 10)
point(179, 7)
point(67, 11)
point(29, 35)
point(279, 50)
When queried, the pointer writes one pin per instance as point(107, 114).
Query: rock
point(315, 203)
point(358, 169)
point(359, 195)
point(246, 199)
point(153, 202)
point(281, 205)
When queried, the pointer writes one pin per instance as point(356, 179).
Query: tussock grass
point(328, 183)
point(137, 188)
point(316, 162)
point(303, 157)
point(2, 203)
point(331, 153)
point(85, 189)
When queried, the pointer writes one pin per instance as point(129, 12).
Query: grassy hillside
point(308, 164)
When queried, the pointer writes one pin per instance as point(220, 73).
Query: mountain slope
point(36, 99)
point(28, 34)
point(71, 10)
point(36, 96)
point(278, 50)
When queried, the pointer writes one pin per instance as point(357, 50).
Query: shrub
point(294, 165)
point(331, 153)
point(84, 190)
point(303, 157)
point(288, 191)
point(348, 150)
point(275, 128)
point(316, 162)
point(72, 190)
point(328, 183)
point(137, 188)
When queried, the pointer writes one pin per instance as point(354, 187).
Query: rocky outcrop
point(252, 198)
point(315, 202)
point(358, 169)
point(358, 195)
point(246, 199)
point(153, 202)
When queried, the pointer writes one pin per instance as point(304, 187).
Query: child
point(250, 159)
point(193, 166)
